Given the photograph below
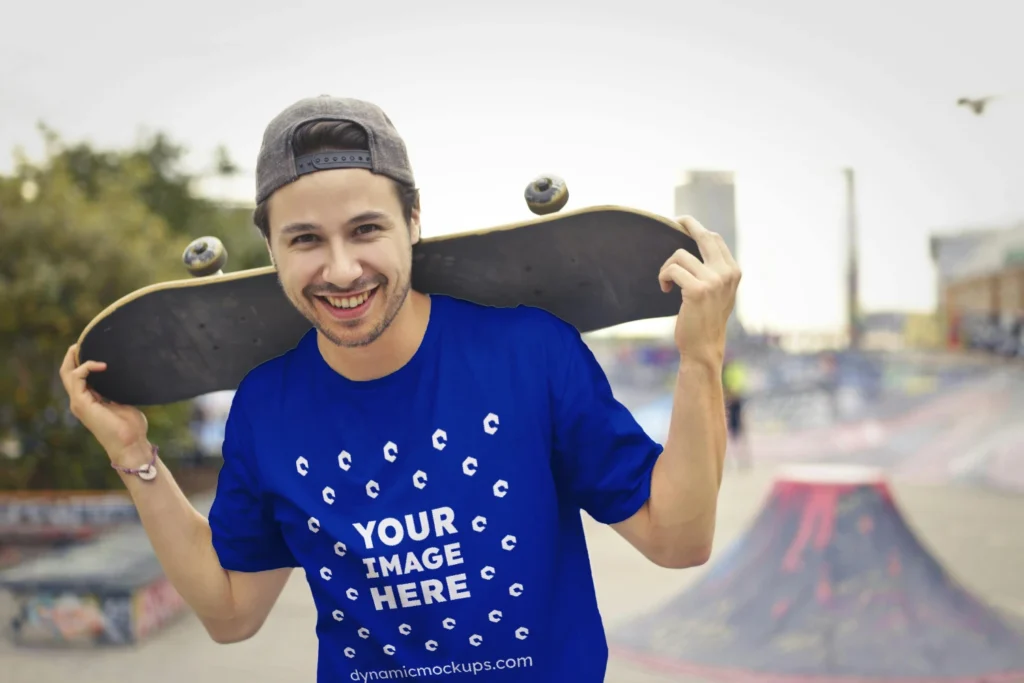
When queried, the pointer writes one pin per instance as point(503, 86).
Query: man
point(734, 383)
point(423, 459)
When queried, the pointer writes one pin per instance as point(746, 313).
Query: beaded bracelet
point(147, 472)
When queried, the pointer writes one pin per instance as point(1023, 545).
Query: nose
point(342, 268)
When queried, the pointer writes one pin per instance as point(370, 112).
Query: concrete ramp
point(107, 592)
point(828, 584)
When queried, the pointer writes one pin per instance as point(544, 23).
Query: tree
point(79, 230)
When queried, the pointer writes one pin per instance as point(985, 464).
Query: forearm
point(688, 474)
point(181, 539)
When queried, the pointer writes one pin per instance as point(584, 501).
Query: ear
point(270, 252)
point(414, 225)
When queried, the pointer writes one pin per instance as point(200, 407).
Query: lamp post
point(852, 265)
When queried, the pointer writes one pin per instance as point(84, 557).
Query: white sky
point(618, 98)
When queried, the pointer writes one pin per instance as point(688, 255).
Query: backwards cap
point(277, 164)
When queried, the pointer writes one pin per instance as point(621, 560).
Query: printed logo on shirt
point(397, 551)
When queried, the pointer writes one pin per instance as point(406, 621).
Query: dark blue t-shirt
point(436, 511)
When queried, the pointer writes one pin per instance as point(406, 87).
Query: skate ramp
point(828, 584)
point(968, 430)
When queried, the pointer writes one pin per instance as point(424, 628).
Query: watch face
point(147, 472)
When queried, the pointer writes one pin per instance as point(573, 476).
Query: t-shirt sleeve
point(603, 457)
point(245, 535)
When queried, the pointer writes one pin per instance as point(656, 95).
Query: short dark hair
point(320, 136)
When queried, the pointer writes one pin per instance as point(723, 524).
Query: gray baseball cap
point(277, 164)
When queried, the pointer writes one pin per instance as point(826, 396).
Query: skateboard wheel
point(546, 194)
point(204, 256)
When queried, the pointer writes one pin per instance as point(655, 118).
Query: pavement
point(974, 531)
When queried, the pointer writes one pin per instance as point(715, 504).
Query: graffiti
point(23, 512)
point(86, 618)
point(74, 618)
point(154, 606)
point(826, 582)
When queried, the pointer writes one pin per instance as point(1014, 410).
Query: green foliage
point(79, 230)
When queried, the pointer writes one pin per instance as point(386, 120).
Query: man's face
point(343, 252)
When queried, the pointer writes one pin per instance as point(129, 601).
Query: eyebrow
point(365, 216)
point(297, 227)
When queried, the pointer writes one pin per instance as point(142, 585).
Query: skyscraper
point(710, 197)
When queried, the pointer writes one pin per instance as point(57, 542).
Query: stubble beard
point(393, 304)
point(393, 301)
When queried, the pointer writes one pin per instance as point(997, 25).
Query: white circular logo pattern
point(470, 466)
point(491, 423)
point(345, 460)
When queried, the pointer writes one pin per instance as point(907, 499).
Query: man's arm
point(231, 605)
point(676, 526)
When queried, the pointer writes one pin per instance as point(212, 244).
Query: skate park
point(868, 530)
point(870, 524)
point(870, 553)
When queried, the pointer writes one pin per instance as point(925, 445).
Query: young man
point(423, 459)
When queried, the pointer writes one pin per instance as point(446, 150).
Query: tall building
point(710, 197)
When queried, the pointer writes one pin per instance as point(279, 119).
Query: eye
point(305, 238)
point(367, 228)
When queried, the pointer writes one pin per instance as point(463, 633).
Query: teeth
point(348, 302)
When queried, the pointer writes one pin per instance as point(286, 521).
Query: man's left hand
point(708, 291)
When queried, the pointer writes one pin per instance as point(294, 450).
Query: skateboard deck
point(594, 268)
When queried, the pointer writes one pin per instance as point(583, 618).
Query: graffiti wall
point(109, 591)
point(74, 617)
point(47, 516)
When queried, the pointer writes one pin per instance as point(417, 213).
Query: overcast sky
point(619, 98)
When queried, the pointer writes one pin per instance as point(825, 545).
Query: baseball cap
point(277, 164)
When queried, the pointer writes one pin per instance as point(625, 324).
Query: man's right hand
point(120, 429)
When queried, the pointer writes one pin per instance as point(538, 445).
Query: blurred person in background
point(735, 387)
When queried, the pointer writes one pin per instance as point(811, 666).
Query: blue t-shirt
point(436, 511)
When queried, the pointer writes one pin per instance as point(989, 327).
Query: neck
point(389, 352)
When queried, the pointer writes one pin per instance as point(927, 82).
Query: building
point(710, 197)
point(980, 280)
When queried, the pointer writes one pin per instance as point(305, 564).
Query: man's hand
point(708, 291)
point(121, 430)
point(676, 527)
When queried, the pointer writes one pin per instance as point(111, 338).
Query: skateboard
point(594, 268)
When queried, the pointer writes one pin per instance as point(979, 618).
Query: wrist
point(702, 363)
point(133, 457)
